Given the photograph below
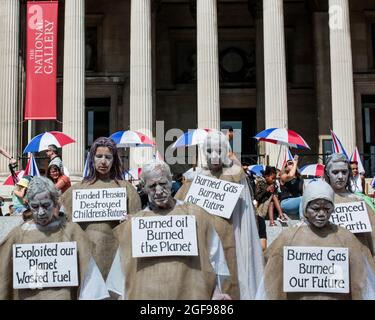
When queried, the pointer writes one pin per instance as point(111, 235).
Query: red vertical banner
point(41, 60)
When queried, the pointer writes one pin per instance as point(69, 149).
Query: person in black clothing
point(266, 196)
point(291, 185)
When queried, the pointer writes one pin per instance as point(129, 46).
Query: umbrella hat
point(131, 139)
point(316, 170)
point(191, 138)
point(43, 140)
point(282, 136)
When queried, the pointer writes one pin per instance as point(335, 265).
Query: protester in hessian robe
point(239, 234)
point(338, 174)
point(48, 226)
point(167, 274)
point(104, 173)
point(321, 274)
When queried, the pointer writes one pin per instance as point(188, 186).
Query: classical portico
point(147, 70)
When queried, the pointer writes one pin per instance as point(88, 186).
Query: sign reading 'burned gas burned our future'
point(217, 197)
point(316, 269)
point(98, 204)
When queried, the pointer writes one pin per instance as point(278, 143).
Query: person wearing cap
point(338, 174)
point(318, 231)
point(19, 196)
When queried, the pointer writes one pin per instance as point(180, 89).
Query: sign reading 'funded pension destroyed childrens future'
point(316, 269)
point(42, 265)
point(217, 197)
point(352, 216)
point(164, 236)
point(99, 204)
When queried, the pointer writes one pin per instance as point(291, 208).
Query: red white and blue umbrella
point(316, 170)
point(191, 138)
point(131, 139)
point(9, 181)
point(282, 136)
point(257, 169)
point(43, 140)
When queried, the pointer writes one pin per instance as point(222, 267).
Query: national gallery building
point(155, 65)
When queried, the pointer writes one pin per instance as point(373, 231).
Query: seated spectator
point(19, 196)
point(291, 185)
point(267, 198)
point(61, 181)
point(177, 183)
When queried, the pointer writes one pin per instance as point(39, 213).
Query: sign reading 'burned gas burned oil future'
point(217, 197)
point(316, 269)
point(164, 236)
point(42, 265)
point(98, 204)
point(353, 216)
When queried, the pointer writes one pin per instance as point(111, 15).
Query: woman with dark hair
point(338, 174)
point(104, 172)
point(291, 185)
point(61, 181)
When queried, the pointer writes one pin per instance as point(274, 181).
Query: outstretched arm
point(7, 155)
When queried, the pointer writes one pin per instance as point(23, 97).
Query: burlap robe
point(224, 228)
point(169, 278)
point(66, 232)
point(329, 236)
point(366, 238)
point(100, 233)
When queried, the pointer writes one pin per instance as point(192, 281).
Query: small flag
point(356, 157)
point(337, 146)
point(132, 174)
point(288, 157)
point(86, 167)
point(373, 183)
point(31, 167)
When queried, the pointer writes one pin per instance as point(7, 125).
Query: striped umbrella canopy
point(130, 138)
point(282, 136)
point(257, 169)
point(191, 138)
point(316, 170)
point(43, 140)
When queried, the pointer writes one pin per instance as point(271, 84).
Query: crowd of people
point(168, 246)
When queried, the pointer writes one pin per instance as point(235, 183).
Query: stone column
point(140, 77)
point(276, 107)
point(343, 111)
point(322, 75)
point(259, 48)
point(207, 65)
point(9, 37)
point(74, 86)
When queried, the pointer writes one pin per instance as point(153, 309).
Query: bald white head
point(216, 148)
